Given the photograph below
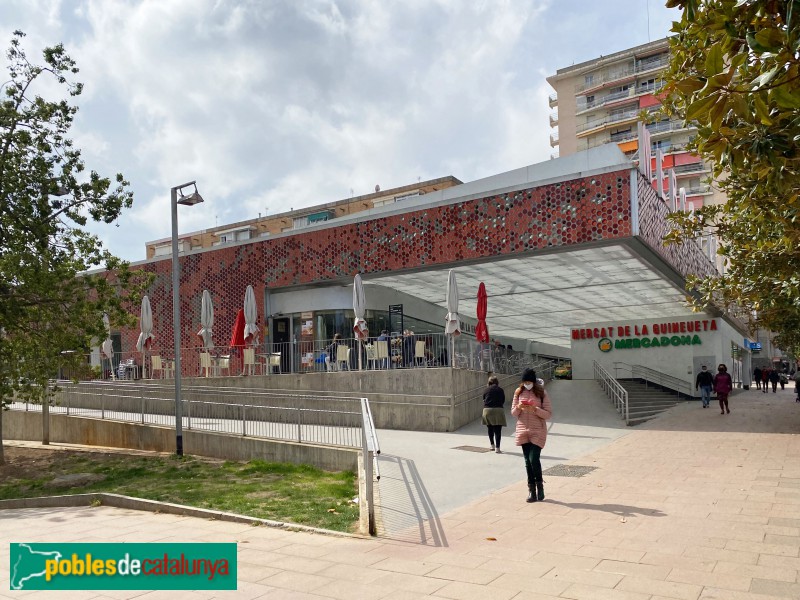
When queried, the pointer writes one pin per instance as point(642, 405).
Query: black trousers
point(533, 466)
point(495, 431)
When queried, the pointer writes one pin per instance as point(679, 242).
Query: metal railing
point(370, 448)
point(299, 356)
point(544, 369)
point(607, 120)
point(651, 376)
point(613, 389)
point(303, 418)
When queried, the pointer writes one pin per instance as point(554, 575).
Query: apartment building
point(267, 225)
point(600, 101)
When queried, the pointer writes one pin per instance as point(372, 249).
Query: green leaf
point(784, 97)
point(772, 39)
point(714, 63)
point(762, 111)
point(698, 110)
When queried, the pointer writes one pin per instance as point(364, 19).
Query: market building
point(571, 244)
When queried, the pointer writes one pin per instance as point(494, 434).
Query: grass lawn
point(281, 492)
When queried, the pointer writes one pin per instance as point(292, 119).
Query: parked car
point(563, 371)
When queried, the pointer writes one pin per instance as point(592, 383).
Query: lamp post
point(190, 200)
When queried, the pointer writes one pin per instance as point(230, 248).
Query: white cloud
point(291, 103)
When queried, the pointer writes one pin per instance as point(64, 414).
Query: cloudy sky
point(279, 104)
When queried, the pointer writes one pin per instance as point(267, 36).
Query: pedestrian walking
point(757, 377)
point(784, 380)
point(765, 380)
point(704, 382)
point(774, 378)
point(797, 386)
point(532, 408)
point(723, 384)
point(494, 415)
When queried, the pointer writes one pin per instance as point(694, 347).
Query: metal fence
point(316, 419)
point(394, 351)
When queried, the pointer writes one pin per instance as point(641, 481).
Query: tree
point(48, 301)
point(735, 75)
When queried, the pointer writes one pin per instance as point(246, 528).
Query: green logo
point(122, 566)
point(605, 345)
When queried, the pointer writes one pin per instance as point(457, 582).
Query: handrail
point(649, 375)
point(544, 370)
point(370, 449)
point(613, 389)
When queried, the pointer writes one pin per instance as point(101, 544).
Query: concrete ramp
point(426, 474)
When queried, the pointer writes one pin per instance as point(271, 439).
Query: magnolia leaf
point(771, 38)
point(714, 63)
point(762, 111)
point(785, 98)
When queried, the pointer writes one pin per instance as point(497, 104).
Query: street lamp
point(190, 200)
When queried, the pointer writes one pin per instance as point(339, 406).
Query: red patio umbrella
point(481, 331)
point(237, 334)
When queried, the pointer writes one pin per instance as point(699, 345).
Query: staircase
point(647, 401)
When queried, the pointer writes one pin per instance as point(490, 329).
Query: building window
point(588, 79)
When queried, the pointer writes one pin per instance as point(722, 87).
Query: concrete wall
point(20, 425)
point(436, 399)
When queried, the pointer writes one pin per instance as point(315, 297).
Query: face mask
point(527, 386)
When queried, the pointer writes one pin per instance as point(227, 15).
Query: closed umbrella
point(452, 325)
point(146, 336)
point(237, 334)
point(360, 330)
point(206, 321)
point(481, 331)
point(108, 347)
point(250, 317)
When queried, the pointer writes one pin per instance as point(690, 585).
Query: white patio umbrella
point(108, 347)
point(360, 330)
point(452, 326)
point(146, 336)
point(206, 320)
point(250, 316)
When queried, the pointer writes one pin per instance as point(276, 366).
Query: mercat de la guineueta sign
point(656, 335)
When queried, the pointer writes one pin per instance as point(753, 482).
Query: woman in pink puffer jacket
point(532, 408)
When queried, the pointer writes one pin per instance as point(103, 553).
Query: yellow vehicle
point(563, 371)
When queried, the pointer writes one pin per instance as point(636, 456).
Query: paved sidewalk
point(691, 505)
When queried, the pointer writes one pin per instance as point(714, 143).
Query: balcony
point(692, 168)
point(601, 79)
point(665, 126)
point(553, 100)
point(553, 119)
point(699, 190)
point(650, 63)
point(628, 115)
point(554, 139)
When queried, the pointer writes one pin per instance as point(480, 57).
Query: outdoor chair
point(372, 356)
point(155, 365)
point(342, 357)
point(223, 363)
point(275, 361)
point(382, 354)
point(251, 365)
point(205, 362)
point(419, 353)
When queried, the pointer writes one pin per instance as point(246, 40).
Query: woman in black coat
point(774, 378)
point(494, 415)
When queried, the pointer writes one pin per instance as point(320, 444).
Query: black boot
point(540, 490)
point(531, 494)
